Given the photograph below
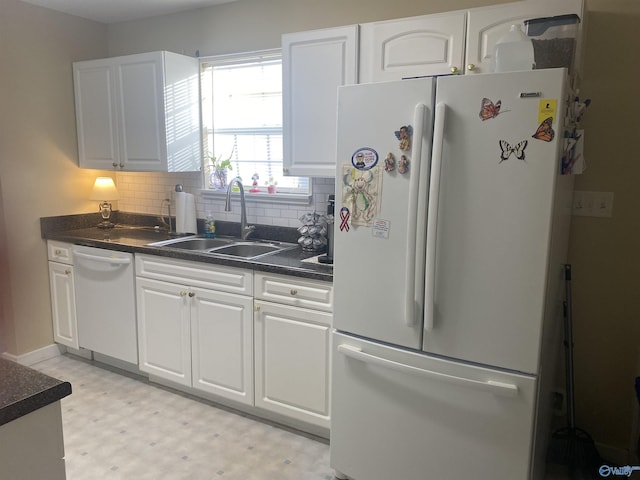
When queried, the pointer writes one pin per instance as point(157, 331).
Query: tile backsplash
point(144, 193)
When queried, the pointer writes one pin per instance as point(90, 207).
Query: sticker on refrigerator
point(404, 135)
point(506, 150)
point(381, 228)
point(344, 219)
point(488, 109)
point(545, 131)
point(364, 158)
point(361, 190)
point(547, 107)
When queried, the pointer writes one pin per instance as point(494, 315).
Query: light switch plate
point(592, 204)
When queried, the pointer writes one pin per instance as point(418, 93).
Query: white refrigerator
point(452, 223)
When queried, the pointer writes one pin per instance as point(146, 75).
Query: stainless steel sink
point(194, 243)
point(227, 247)
point(247, 249)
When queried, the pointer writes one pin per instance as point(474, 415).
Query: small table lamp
point(104, 190)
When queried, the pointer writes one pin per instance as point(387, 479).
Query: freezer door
point(404, 415)
point(378, 276)
point(491, 210)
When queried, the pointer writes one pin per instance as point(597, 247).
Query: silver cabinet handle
point(183, 293)
point(293, 291)
point(191, 294)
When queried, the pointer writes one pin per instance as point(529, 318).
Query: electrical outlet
point(592, 204)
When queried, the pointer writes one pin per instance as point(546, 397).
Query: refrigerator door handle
point(432, 214)
point(498, 388)
point(414, 196)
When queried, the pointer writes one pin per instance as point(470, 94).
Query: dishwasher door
point(105, 302)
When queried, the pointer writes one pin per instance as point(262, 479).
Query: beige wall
point(39, 177)
point(38, 155)
point(604, 252)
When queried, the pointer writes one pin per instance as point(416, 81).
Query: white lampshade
point(104, 189)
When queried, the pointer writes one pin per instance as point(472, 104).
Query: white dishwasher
point(105, 302)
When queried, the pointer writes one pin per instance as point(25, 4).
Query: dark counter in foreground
point(24, 390)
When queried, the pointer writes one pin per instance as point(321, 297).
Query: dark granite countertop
point(135, 239)
point(24, 390)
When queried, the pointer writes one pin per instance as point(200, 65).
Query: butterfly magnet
point(545, 131)
point(488, 109)
point(506, 150)
point(404, 135)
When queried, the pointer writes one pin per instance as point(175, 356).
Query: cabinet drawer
point(196, 274)
point(60, 252)
point(299, 292)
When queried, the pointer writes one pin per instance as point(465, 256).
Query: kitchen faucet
point(245, 230)
point(167, 225)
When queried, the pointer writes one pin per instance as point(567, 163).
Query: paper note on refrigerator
point(361, 190)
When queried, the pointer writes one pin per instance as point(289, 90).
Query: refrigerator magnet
point(364, 158)
point(547, 107)
point(507, 150)
point(404, 135)
point(344, 219)
point(545, 131)
point(389, 163)
point(488, 109)
point(403, 166)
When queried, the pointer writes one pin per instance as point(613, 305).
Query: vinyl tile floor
point(119, 427)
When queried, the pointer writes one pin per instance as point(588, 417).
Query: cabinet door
point(314, 64)
point(486, 25)
point(63, 304)
point(292, 361)
point(96, 115)
point(222, 344)
point(164, 340)
point(411, 47)
point(139, 81)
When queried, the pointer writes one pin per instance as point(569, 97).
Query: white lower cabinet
point(63, 297)
point(292, 365)
point(293, 348)
point(200, 327)
point(194, 336)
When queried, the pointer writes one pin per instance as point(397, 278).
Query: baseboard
point(31, 358)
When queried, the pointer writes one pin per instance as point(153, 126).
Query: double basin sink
point(226, 247)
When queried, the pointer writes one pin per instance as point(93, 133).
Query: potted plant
point(271, 185)
point(218, 168)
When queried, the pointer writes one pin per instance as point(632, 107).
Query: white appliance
point(447, 278)
point(105, 302)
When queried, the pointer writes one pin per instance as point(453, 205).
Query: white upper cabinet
point(314, 64)
point(487, 25)
point(138, 113)
point(412, 47)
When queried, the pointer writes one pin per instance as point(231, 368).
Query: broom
point(572, 446)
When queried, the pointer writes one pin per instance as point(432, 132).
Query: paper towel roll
point(185, 213)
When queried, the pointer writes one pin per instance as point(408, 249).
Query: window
point(242, 120)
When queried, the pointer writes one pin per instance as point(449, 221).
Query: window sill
point(289, 198)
